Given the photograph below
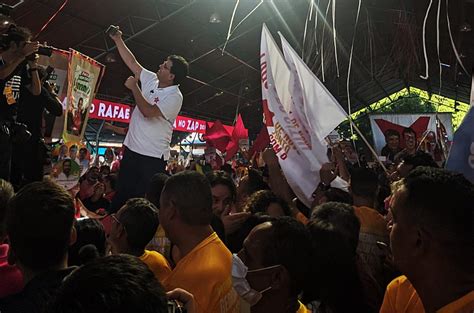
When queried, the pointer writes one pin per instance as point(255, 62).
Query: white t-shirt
point(152, 136)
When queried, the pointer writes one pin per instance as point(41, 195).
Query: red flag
point(261, 142)
point(217, 136)
point(240, 132)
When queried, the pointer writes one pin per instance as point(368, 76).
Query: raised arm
point(125, 53)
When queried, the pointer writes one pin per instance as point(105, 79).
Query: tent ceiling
point(388, 53)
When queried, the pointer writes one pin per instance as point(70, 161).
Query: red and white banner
point(190, 125)
point(423, 125)
point(291, 95)
point(118, 112)
point(110, 111)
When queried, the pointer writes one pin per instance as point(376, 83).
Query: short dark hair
point(15, 34)
point(391, 132)
point(39, 223)
point(180, 68)
point(83, 149)
point(222, 178)
point(334, 194)
point(334, 229)
point(155, 187)
point(340, 217)
point(140, 220)
point(420, 158)
point(89, 231)
point(117, 283)
point(256, 181)
point(408, 130)
point(288, 246)
point(67, 161)
point(6, 193)
point(190, 192)
point(72, 147)
point(364, 182)
point(442, 202)
point(259, 202)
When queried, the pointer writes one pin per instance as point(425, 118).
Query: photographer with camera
point(17, 63)
point(28, 159)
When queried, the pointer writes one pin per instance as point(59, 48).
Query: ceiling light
point(465, 27)
point(215, 18)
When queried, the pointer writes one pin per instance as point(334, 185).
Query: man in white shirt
point(158, 102)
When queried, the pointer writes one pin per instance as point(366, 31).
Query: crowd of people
point(135, 237)
point(215, 244)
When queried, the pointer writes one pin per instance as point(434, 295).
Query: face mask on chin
point(240, 283)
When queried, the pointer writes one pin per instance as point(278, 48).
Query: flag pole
point(368, 145)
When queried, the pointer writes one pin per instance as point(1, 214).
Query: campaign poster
point(66, 173)
point(429, 132)
point(84, 75)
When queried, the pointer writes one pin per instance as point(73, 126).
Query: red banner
point(110, 111)
point(117, 112)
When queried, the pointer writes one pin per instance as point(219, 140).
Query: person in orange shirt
point(401, 297)
point(431, 236)
point(204, 266)
point(132, 228)
point(373, 226)
point(272, 268)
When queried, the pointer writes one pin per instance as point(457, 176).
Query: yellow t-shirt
point(462, 305)
point(371, 221)
point(401, 297)
point(206, 273)
point(157, 264)
point(302, 309)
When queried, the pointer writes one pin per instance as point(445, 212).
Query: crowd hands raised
point(237, 240)
point(208, 240)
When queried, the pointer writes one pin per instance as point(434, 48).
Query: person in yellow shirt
point(272, 268)
point(401, 297)
point(204, 266)
point(373, 226)
point(431, 236)
point(132, 228)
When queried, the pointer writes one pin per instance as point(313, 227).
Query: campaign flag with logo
point(84, 76)
point(292, 95)
point(461, 156)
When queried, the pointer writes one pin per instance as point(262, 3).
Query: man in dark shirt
point(40, 228)
point(28, 158)
point(392, 147)
point(14, 67)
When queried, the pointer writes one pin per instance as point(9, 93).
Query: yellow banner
point(84, 76)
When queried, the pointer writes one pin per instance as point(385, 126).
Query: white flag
point(321, 109)
point(296, 137)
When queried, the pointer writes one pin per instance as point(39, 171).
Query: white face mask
point(240, 283)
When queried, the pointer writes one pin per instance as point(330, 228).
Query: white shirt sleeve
point(149, 81)
point(170, 106)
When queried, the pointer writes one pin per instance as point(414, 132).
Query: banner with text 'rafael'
point(118, 112)
point(84, 76)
